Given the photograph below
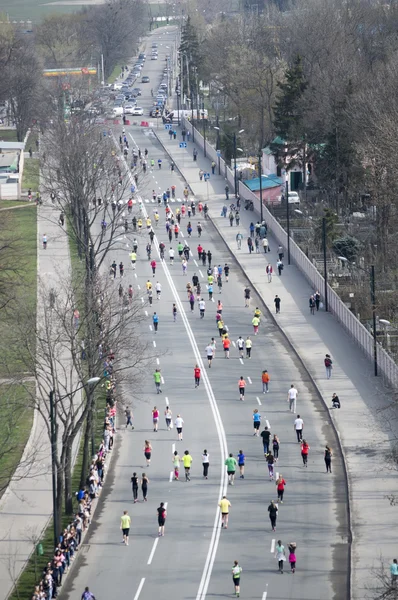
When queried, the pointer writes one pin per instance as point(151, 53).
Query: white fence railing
point(386, 365)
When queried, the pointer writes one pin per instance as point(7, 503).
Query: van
point(117, 85)
point(117, 111)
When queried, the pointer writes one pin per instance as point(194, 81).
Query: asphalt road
point(195, 557)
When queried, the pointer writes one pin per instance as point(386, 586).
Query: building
point(11, 169)
point(271, 186)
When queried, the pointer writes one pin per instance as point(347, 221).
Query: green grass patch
point(16, 204)
point(35, 11)
point(115, 74)
point(31, 141)
point(31, 174)
point(8, 135)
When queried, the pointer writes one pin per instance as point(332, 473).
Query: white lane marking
point(171, 475)
point(277, 475)
point(234, 345)
point(155, 544)
point(135, 274)
point(161, 379)
point(146, 313)
point(249, 380)
point(137, 595)
point(267, 424)
point(157, 361)
point(265, 594)
point(212, 300)
point(154, 344)
point(142, 299)
point(258, 400)
point(166, 505)
point(272, 546)
point(166, 399)
point(196, 264)
point(241, 361)
point(139, 287)
point(200, 273)
point(150, 327)
point(173, 448)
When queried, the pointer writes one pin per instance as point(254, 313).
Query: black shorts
point(210, 357)
point(147, 455)
point(236, 580)
point(161, 521)
point(256, 424)
point(126, 532)
point(242, 391)
point(179, 429)
point(231, 472)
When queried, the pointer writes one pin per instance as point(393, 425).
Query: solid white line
point(137, 595)
point(249, 380)
point(146, 313)
point(157, 361)
point(200, 273)
point(161, 379)
point(173, 448)
point(155, 543)
point(241, 361)
point(171, 475)
point(258, 400)
point(267, 424)
point(195, 260)
point(272, 546)
point(154, 344)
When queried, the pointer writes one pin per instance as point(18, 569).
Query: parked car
point(136, 91)
point(145, 79)
point(117, 111)
point(137, 110)
point(128, 109)
point(142, 55)
point(154, 57)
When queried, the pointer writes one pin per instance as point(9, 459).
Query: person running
point(248, 345)
point(275, 447)
point(224, 505)
point(255, 323)
point(155, 320)
point(176, 464)
point(134, 487)
point(231, 464)
point(196, 373)
point(246, 293)
point(153, 267)
point(256, 421)
point(241, 464)
point(168, 417)
point(226, 345)
point(265, 380)
point(179, 422)
point(133, 258)
point(162, 514)
point(202, 308)
point(304, 452)
point(328, 459)
point(125, 522)
point(174, 312)
point(187, 462)
point(273, 514)
point(270, 462)
point(129, 416)
point(205, 463)
point(158, 379)
point(240, 344)
point(171, 256)
point(236, 572)
point(147, 452)
point(144, 487)
point(280, 487)
point(292, 398)
point(191, 299)
point(241, 387)
point(265, 436)
point(213, 344)
point(292, 556)
point(209, 354)
point(280, 555)
point(298, 427)
point(158, 289)
point(87, 595)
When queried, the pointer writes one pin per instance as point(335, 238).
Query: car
point(154, 57)
point(142, 55)
point(163, 85)
point(99, 120)
point(136, 91)
point(117, 85)
point(137, 110)
point(294, 198)
point(117, 111)
point(145, 79)
point(128, 109)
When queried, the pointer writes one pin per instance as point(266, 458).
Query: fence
point(386, 365)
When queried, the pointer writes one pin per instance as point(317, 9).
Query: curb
point(350, 534)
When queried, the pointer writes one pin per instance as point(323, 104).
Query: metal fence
point(386, 365)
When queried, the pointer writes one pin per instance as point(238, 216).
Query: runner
point(147, 452)
point(155, 320)
point(192, 301)
point(231, 464)
point(171, 255)
point(292, 556)
point(265, 436)
point(246, 294)
point(129, 416)
point(304, 452)
point(176, 464)
point(241, 386)
point(205, 463)
point(209, 354)
point(158, 289)
point(236, 572)
point(273, 514)
point(134, 487)
point(130, 294)
point(280, 555)
point(265, 380)
point(168, 417)
point(155, 418)
point(270, 461)
point(256, 421)
point(162, 514)
point(226, 345)
point(174, 312)
point(280, 487)
point(275, 447)
point(144, 487)
point(202, 308)
point(213, 344)
point(179, 422)
point(292, 398)
point(158, 379)
point(125, 523)
point(240, 343)
point(226, 272)
point(255, 323)
point(241, 464)
point(187, 461)
point(153, 266)
point(196, 373)
point(224, 505)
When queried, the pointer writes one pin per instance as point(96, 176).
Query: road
point(195, 557)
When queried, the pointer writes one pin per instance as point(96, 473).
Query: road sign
point(167, 126)
point(206, 176)
point(218, 152)
point(183, 144)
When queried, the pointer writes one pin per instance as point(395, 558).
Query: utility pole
point(288, 221)
point(261, 185)
point(54, 466)
point(325, 267)
point(235, 179)
point(373, 292)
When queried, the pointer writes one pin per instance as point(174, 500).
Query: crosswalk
point(152, 201)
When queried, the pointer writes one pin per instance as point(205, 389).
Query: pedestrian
point(250, 244)
point(270, 271)
point(312, 305)
point(125, 522)
point(241, 464)
point(246, 293)
point(292, 398)
point(179, 422)
point(277, 302)
point(226, 345)
point(273, 513)
point(231, 463)
point(335, 401)
point(153, 266)
point(144, 486)
point(248, 344)
point(45, 243)
point(279, 266)
point(202, 308)
point(280, 555)
point(292, 556)
point(298, 427)
point(236, 572)
point(209, 354)
point(196, 373)
point(280, 252)
point(256, 421)
point(239, 238)
point(224, 505)
point(304, 452)
point(265, 378)
point(158, 379)
point(187, 462)
point(265, 436)
point(168, 417)
point(328, 459)
point(317, 299)
point(174, 311)
point(121, 269)
point(275, 447)
point(255, 323)
point(270, 462)
point(134, 487)
point(162, 514)
point(129, 416)
point(328, 366)
point(155, 418)
point(155, 320)
point(205, 463)
point(394, 573)
point(201, 173)
point(241, 387)
point(176, 464)
point(280, 487)
point(265, 245)
point(147, 452)
point(195, 154)
point(213, 167)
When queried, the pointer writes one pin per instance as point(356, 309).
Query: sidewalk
point(26, 506)
point(366, 421)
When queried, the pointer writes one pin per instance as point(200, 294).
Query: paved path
point(366, 421)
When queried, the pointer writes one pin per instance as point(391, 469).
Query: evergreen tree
point(191, 55)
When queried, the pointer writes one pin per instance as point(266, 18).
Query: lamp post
point(373, 300)
point(325, 270)
point(235, 151)
point(204, 127)
point(261, 185)
point(178, 106)
point(287, 220)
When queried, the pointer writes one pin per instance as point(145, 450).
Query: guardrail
point(386, 365)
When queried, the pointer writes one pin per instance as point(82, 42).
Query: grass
point(31, 141)
point(31, 174)
point(115, 74)
point(8, 135)
point(16, 204)
point(34, 10)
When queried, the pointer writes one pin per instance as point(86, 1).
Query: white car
point(294, 198)
point(128, 109)
point(137, 110)
point(154, 57)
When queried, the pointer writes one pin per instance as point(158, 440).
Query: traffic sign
point(206, 176)
point(183, 144)
point(167, 126)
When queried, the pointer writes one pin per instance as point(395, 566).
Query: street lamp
point(287, 218)
point(325, 267)
point(235, 150)
point(373, 299)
